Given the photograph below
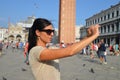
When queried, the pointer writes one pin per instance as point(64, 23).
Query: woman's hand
point(93, 30)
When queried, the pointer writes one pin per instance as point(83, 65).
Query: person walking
point(44, 61)
point(26, 53)
point(92, 51)
point(102, 52)
point(116, 49)
point(1, 46)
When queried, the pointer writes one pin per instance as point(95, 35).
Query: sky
point(14, 11)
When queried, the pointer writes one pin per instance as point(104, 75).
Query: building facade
point(109, 21)
point(19, 31)
point(67, 19)
point(3, 33)
point(83, 32)
point(78, 33)
point(15, 33)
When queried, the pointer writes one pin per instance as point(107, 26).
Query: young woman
point(42, 59)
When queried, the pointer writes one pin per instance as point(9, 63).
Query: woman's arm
point(51, 54)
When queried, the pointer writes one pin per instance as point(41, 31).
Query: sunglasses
point(48, 31)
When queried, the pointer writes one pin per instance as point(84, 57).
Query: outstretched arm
point(51, 54)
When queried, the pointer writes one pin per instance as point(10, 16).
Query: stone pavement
point(81, 67)
point(78, 67)
point(12, 66)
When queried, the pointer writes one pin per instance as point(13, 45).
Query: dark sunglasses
point(48, 31)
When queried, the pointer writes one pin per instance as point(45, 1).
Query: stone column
point(115, 29)
point(110, 28)
point(119, 26)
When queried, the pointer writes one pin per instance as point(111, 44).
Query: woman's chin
point(48, 41)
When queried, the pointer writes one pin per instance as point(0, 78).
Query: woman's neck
point(40, 43)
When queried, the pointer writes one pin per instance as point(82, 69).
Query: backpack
point(102, 47)
point(111, 48)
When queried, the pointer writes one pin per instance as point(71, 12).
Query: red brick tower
point(67, 13)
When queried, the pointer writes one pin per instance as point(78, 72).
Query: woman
point(43, 60)
point(26, 53)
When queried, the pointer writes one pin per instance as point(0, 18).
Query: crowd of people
point(101, 50)
point(11, 44)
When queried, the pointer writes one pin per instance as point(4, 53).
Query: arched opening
point(11, 37)
point(18, 37)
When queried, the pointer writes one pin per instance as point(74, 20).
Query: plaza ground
point(78, 67)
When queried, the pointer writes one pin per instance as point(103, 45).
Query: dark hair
point(38, 24)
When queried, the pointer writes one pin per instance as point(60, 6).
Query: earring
point(38, 37)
